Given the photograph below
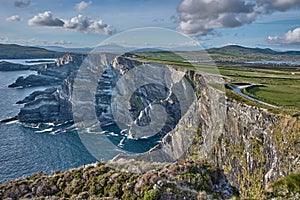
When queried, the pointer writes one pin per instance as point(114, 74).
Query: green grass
point(176, 63)
point(286, 187)
point(281, 84)
point(281, 95)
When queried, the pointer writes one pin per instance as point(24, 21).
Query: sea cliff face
point(251, 145)
point(53, 104)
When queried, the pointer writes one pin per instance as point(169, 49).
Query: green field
point(278, 84)
point(280, 87)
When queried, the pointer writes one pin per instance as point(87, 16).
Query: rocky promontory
point(251, 145)
point(50, 74)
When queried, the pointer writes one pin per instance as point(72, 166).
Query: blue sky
point(255, 23)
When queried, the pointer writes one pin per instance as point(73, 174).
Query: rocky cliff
point(53, 104)
point(51, 74)
point(256, 148)
point(251, 145)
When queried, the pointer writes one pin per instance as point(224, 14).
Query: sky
point(254, 23)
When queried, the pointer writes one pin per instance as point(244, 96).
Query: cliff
point(51, 105)
point(252, 146)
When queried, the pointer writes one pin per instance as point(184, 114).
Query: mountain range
point(14, 51)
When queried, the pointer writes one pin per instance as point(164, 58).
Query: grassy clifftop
point(181, 180)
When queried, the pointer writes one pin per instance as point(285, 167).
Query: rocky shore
point(47, 74)
point(252, 146)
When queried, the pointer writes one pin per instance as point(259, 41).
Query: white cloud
point(82, 5)
point(13, 18)
point(79, 23)
point(87, 25)
point(202, 17)
point(45, 19)
point(291, 37)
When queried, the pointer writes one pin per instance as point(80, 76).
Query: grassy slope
point(235, 52)
point(174, 181)
point(281, 83)
point(279, 87)
point(284, 188)
point(282, 88)
point(85, 181)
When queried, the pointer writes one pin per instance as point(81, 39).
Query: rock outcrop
point(53, 104)
point(251, 145)
point(35, 80)
point(50, 74)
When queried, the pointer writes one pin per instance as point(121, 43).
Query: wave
point(45, 130)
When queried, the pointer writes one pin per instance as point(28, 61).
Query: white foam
point(45, 130)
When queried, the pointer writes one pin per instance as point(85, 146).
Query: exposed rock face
point(51, 74)
point(66, 59)
point(241, 139)
point(245, 150)
point(35, 80)
point(106, 84)
point(51, 105)
point(250, 144)
point(205, 117)
point(33, 95)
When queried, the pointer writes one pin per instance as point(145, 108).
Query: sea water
point(23, 150)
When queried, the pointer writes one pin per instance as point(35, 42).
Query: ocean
point(24, 151)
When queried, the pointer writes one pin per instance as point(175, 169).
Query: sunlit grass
point(280, 85)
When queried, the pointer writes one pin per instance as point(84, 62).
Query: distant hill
point(235, 50)
point(100, 48)
point(65, 49)
point(9, 51)
point(14, 51)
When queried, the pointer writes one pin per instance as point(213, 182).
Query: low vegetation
point(284, 188)
point(184, 179)
point(279, 84)
point(194, 179)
